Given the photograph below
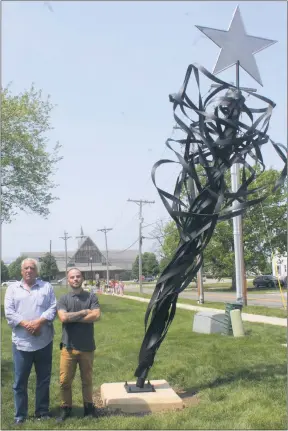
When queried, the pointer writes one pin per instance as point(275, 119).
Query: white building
point(90, 260)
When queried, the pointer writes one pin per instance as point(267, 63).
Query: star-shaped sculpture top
point(236, 45)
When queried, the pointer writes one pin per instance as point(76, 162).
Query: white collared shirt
point(22, 303)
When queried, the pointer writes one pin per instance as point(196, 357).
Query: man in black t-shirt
point(77, 310)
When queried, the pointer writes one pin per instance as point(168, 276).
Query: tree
point(150, 265)
point(15, 268)
point(27, 164)
point(264, 232)
point(170, 243)
point(4, 272)
point(48, 268)
point(135, 268)
point(125, 275)
point(264, 228)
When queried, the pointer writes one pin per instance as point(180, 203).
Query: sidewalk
point(255, 318)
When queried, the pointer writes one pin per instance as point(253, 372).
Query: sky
point(110, 67)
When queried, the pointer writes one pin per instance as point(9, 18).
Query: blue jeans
point(23, 361)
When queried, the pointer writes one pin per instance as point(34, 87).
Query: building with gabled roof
point(91, 260)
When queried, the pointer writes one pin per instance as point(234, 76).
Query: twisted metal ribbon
point(213, 141)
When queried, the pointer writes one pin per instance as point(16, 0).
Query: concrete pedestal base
point(209, 322)
point(114, 396)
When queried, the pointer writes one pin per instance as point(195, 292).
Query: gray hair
point(30, 259)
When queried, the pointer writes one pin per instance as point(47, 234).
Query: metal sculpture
point(214, 141)
point(217, 136)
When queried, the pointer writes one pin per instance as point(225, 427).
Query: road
point(272, 299)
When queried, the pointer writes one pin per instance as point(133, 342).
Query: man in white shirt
point(30, 308)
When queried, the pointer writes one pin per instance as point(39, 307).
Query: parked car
point(7, 283)
point(266, 281)
point(149, 278)
point(62, 281)
point(136, 280)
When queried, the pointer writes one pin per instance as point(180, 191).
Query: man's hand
point(35, 325)
point(27, 325)
point(32, 326)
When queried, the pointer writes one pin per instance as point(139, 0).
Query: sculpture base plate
point(115, 397)
point(135, 389)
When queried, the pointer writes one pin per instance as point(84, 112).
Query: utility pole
point(105, 230)
point(65, 237)
point(140, 202)
point(237, 225)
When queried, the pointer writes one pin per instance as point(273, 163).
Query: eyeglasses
point(29, 267)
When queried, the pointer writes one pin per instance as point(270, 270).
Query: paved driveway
point(272, 300)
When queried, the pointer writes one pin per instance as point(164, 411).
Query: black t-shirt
point(75, 335)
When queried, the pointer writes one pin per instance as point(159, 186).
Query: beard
point(76, 286)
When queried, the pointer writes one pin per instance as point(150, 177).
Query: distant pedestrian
point(111, 287)
point(30, 308)
point(113, 283)
point(121, 288)
point(77, 310)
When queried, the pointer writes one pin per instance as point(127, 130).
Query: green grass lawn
point(239, 383)
point(250, 309)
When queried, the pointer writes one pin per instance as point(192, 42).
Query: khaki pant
point(68, 364)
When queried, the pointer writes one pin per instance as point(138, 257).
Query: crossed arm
point(83, 316)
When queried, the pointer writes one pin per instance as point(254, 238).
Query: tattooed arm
point(92, 316)
point(66, 317)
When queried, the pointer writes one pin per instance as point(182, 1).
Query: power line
point(147, 225)
point(146, 237)
point(122, 251)
point(155, 237)
point(166, 219)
